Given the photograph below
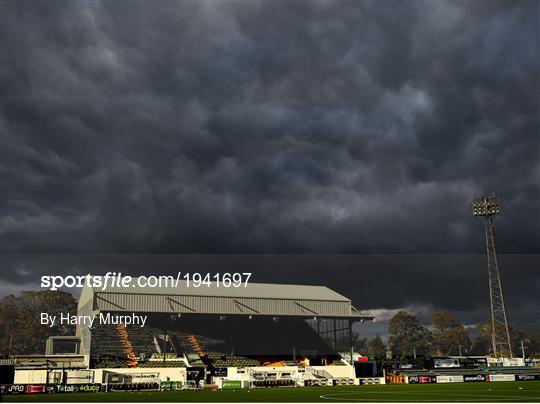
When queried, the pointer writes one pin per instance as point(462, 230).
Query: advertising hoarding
point(6, 389)
point(502, 378)
point(450, 379)
point(231, 384)
point(422, 379)
point(474, 378)
point(521, 378)
point(370, 380)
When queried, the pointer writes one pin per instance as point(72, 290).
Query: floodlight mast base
point(487, 208)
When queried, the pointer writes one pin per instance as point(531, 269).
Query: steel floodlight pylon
point(488, 207)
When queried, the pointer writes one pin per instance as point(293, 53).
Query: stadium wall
point(39, 376)
point(30, 376)
point(165, 374)
point(337, 371)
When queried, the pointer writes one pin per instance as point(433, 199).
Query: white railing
point(318, 373)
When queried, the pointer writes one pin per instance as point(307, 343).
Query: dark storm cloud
point(267, 126)
point(270, 127)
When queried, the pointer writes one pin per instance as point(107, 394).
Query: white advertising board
point(450, 379)
point(502, 378)
point(513, 362)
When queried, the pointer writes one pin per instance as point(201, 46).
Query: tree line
point(21, 332)
point(442, 336)
point(445, 336)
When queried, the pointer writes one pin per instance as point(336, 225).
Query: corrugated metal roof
point(253, 299)
point(252, 290)
point(133, 302)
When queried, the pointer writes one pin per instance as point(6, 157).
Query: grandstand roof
point(253, 299)
point(251, 290)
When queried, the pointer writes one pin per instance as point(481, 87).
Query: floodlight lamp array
point(486, 206)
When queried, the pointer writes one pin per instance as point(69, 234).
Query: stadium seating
point(110, 363)
point(215, 342)
point(162, 364)
point(182, 344)
point(105, 341)
point(142, 341)
point(222, 360)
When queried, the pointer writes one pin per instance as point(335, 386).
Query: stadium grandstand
point(260, 335)
point(215, 328)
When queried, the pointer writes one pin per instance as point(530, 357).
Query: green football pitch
point(476, 392)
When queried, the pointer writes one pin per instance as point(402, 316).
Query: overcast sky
point(318, 127)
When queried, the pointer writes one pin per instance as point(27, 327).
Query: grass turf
point(528, 391)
